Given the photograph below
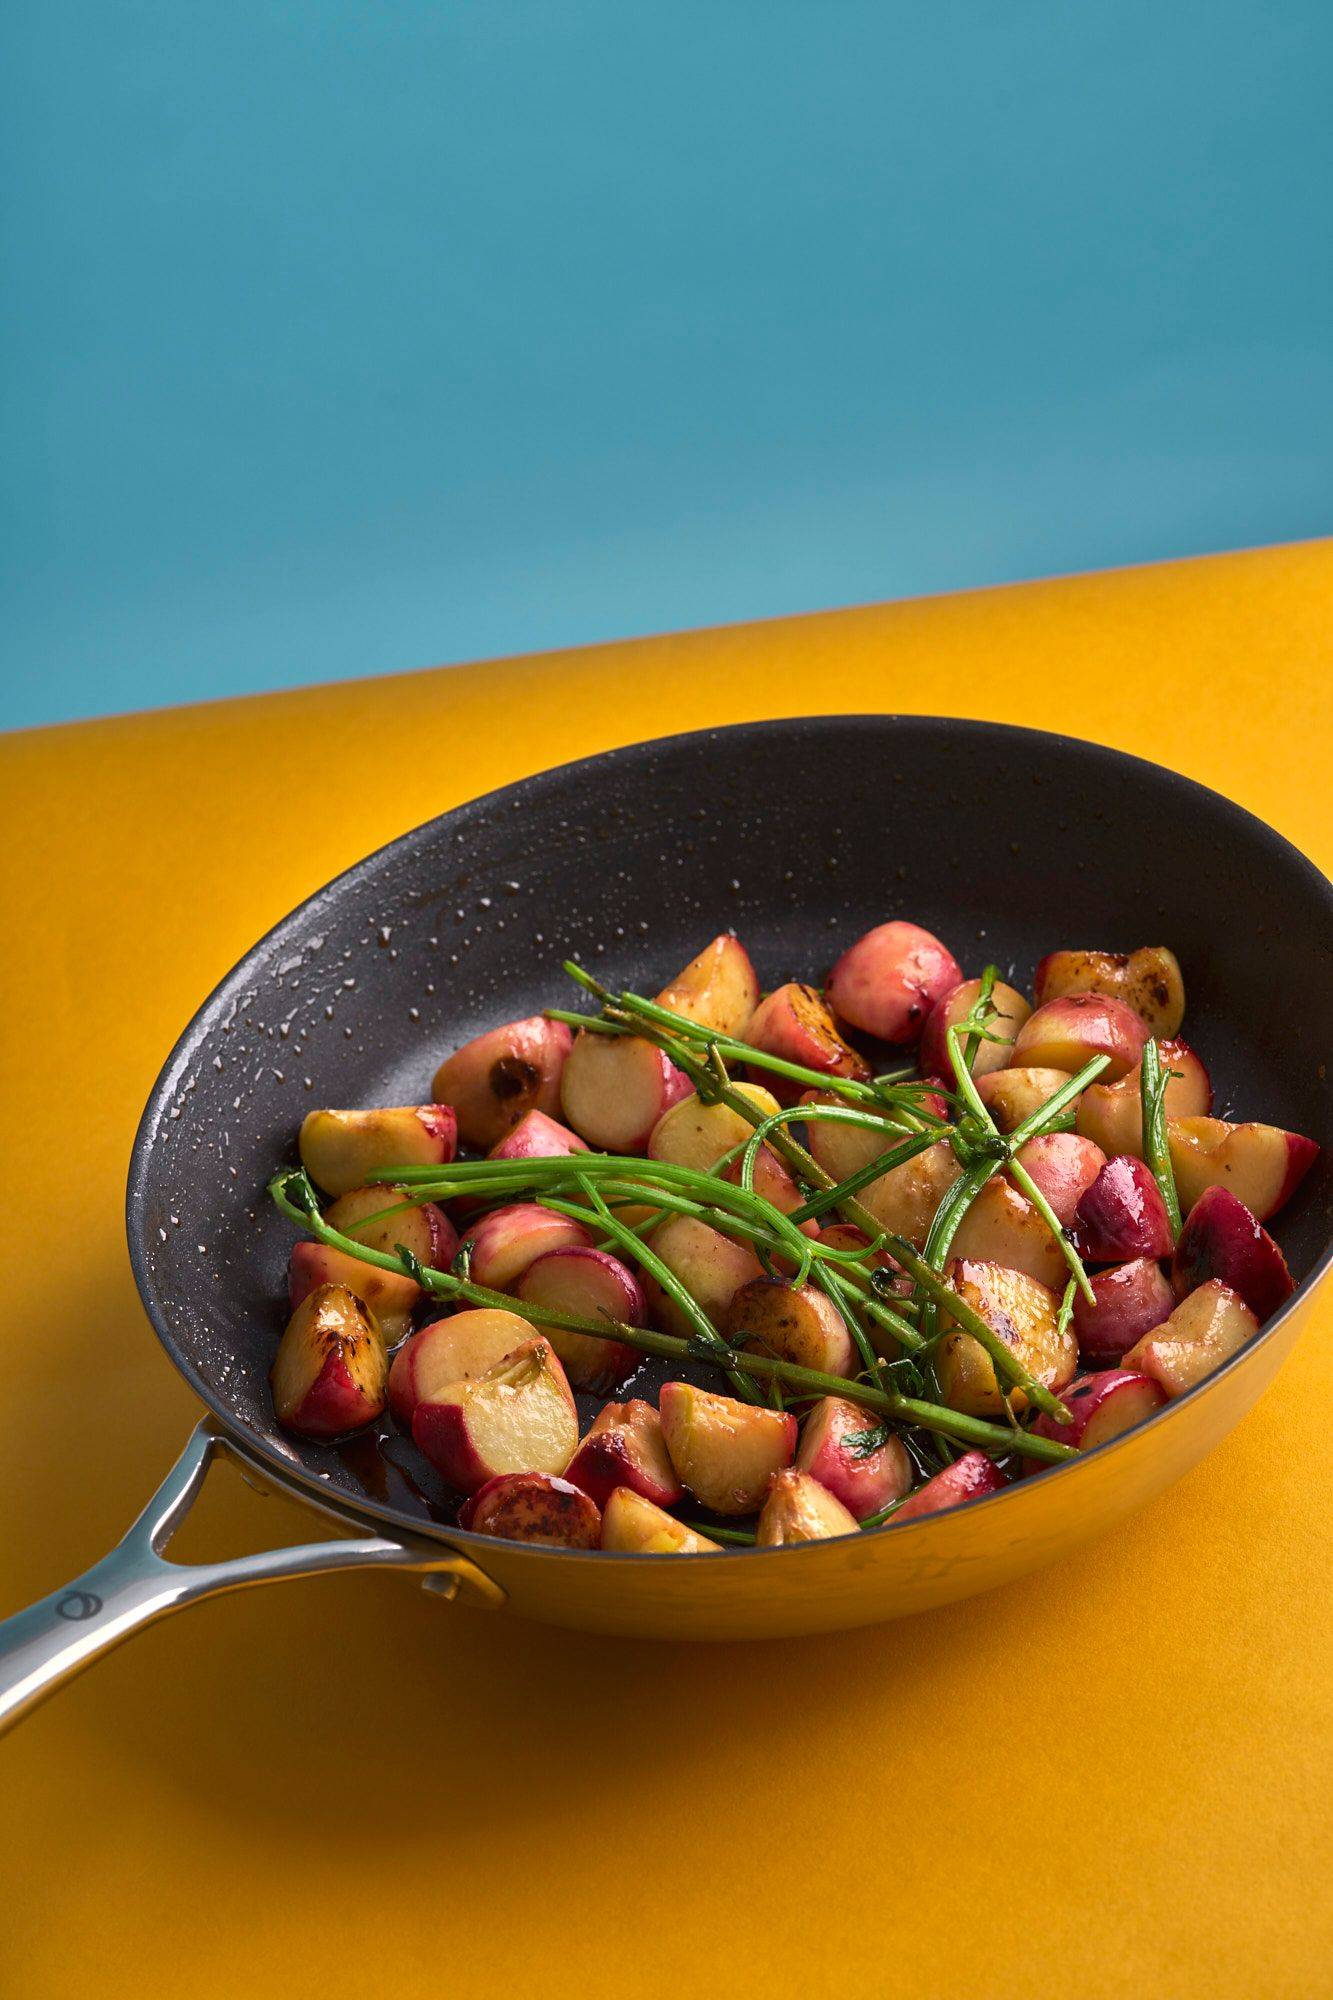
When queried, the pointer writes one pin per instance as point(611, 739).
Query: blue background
point(339, 338)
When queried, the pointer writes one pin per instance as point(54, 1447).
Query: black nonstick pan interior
point(799, 835)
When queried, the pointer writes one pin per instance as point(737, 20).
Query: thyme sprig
point(1153, 1080)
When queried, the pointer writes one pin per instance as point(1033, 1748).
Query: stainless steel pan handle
point(135, 1584)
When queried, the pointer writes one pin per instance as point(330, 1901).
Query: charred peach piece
point(589, 1284)
point(1148, 980)
point(717, 989)
point(694, 1134)
point(423, 1229)
point(1223, 1240)
point(1025, 1316)
point(1065, 1034)
point(905, 1199)
point(537, 1137)
point(1012, 1095)
point(533, 1507)
point(341, 1150)
point(1123, 1215)
point(625, 1447)
point(832, 1450)
point(887, 982)
point(517, 1417)
point(391, 1297)
point(457, 1349)
point(1131, 1299)
point(1009, 1010)
point(790, 1323)
point(970, 1477)
point(1063, 1167)
point(725, 1451)
point(1111, 1114)
point(331, 1371)
point(496, 1079)
point(1261, 1164)
point(794, 1023)
point(1205, 1330)
point(633, 1526)
point(711, 1266)
point(799, 1509)
point(616, 1088)
point(1002, 1227)
point(1103, 1407)
point(506, 1241)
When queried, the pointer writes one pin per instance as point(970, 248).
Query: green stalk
point(1156, 1147)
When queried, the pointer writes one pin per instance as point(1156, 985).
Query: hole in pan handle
point(136, 1584)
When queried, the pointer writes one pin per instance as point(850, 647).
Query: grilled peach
point(376, 1217)
point(1063, 1167)
point(341, 1150)
point(797, 1324)
point(1111, 1114)
point(1102, 1406)
point(887, 983)
point(725, 1451)
point(906, 1198)
point(1261, 1164)
point(494, 1080)
point(799, 1509)
point(1123, 1215)
point(711, 1266)
point(1065, 1034)
point(1148, 980)
point(1205, 1330)
point(795, 1024)
point(1012, 1095)
point(1009, 1010)
point(970, 1477)
point(589, 1284)
point(517, 1417)
point(1223, 1240)
point(1131, 1299)
point(625, 1447)
point(1002, 1227)
point(694, 1134)
point(537, 1137)
point(633, 1526)
point(615, 1089)
point(717, 989)
point(533, 1507)
point(1024, 1315)
point(457, 1349)
point(331, 1371)
point(835, 1449)
point(505, 1241)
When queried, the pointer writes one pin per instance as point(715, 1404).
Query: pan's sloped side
point(797, 834)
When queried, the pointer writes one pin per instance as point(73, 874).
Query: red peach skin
point(537, 1137)
point(1261, 1164)
point(1131, 1299)
point(1148, 980)
point(1063, 1167)
point(887, 983)
point(457, 1349)
point(1221, 1239)
point(507, 1240)
point(1009, 1011)
point(517, 1417)
point(794, 1024)
point(616, 1088)
point(1205, 1330)
point(341, 1150)
point(864, 1481)
point(1065, 1034)
point(589, 1284)
point(799, 1509)
point(533, 1507)
point(496, 1079)
point(1103, 1406)
point(625, 1447)
point(1123, 1216)
point(717, 989)
point(970, 1477)
point(331, 1371)
point(725, 1451)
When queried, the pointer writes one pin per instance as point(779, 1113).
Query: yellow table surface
point(1111, 1779)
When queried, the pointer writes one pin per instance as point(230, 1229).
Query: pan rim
point(307, 1485)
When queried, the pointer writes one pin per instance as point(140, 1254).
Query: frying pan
point(799, 834)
